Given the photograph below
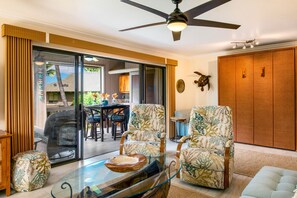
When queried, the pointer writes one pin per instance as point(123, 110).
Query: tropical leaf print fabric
point(31, 170)
point(146, 128)
point(210, 131)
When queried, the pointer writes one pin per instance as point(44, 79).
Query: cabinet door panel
point(284, 99)
point(244, 98)
point(263, 99)
point(227, 86)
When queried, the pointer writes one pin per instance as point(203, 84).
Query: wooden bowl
point(126, 163)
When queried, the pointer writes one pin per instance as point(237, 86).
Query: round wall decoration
point(180, 86)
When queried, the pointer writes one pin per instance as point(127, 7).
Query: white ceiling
point(269, 21)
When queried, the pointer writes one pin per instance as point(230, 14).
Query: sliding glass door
point(57, 110)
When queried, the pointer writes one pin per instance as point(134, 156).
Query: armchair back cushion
point(148, 122)
point(210, 127)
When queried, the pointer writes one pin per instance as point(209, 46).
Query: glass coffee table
point(96, 180)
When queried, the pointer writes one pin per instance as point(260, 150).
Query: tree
point(60, 84)
point(56, 72)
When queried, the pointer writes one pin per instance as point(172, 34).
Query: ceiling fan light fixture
point(177, 26)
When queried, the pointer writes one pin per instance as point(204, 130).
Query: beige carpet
point(249, 162)
point(178, 192)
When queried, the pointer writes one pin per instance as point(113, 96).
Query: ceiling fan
point(178, 21)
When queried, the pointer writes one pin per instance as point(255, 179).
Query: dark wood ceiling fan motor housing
point(184, 17)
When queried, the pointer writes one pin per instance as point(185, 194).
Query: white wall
point(207, 65)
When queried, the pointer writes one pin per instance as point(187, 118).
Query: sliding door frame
point(78, 93)
point(142, 83)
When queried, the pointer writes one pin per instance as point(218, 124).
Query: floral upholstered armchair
point(208, 160)
point(146, 131)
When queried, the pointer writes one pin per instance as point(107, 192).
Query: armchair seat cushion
point(147, 148)
point(202, 159)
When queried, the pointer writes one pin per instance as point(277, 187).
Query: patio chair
point(61, 130)
point(119, 117)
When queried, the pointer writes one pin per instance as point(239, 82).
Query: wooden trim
point(295, 64)
point(122, 141)
point(171, 62)
point(10, 30)
point(162, 146)
point(170, 82)
point(226, 165)
point(256, 52)
point(72, 42)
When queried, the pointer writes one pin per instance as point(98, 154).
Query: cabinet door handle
point(244, 73)
point(263, 72)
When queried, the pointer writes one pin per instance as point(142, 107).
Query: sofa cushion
point(272, 182)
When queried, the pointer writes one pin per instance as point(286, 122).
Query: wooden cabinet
point(260, 88)
point(263, 99)
point(124, 83)
point(244, 98)
point(284, 99)
point(5, 162)
point(227, 86)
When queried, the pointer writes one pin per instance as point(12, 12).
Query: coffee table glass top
point(96, 180)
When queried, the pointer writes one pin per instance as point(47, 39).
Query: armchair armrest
point(181, 141)
point(124, 135)
point(226, 163)
point(228, 143)
point(178, 149)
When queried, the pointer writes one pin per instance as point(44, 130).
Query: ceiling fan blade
point(204, 8)
point(176, 35)
point(206, 23)
point(151, 10)
point(143, 26)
